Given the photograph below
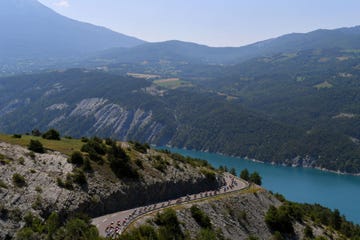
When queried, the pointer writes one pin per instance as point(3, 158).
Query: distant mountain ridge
point(35, 37)
point(179, 51)
point(30, 30)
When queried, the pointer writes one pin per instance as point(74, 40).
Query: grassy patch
point(3, 184)
point(323, 85)
point(172, 83)
point(143, 75)
point(65, 146)
point(300, 78)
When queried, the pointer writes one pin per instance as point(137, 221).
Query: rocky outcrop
point(104, 192)
point(238, 216)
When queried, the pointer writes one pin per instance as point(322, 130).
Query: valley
point(104, 135)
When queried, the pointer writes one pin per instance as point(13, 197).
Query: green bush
point(255, 178)
point(79, 176)
point(120, 163)
point(308, 233)
point(94, 145)
point(19, 180)
point(17, 136)
point(3, 184)
point(206, 234)
point(279, 220)
point(169, 225)
point(245, 174)
point(52, 134)
point(36, 146)
point(77, 158)
point(200, 217)
point(36, 132)
point(87, 165)
point(141, 147)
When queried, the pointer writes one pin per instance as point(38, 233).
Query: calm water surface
point(297, 184)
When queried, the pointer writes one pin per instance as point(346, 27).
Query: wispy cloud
point(62, 3)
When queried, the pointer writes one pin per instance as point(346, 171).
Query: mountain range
point(35, 37)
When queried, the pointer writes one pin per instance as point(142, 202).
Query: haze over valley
point(291, 101)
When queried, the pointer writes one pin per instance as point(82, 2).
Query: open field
point(172, 83)
point(322, 85)
point(65, 146)
point(143, 76)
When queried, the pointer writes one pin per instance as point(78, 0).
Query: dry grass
point(323, 85)
point(142, 75)
point(65, 146)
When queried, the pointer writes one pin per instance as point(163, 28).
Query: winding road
point(116, 223)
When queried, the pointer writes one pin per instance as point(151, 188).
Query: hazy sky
point(211, 22)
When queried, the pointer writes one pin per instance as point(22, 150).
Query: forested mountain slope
point(81, 102)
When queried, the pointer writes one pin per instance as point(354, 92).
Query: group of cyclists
point(116, 228)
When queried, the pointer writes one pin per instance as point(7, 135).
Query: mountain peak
point(32, 30)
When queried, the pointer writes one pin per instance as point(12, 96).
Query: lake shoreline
point(270, 163)
point(299, 184)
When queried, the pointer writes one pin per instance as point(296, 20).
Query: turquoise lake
point(297, 184)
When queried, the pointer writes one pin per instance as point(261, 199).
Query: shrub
point(38, 189)
point(52, 134)
point(3, 184)
point(77, 158)
point(17, 136)
point(36, 132)
point(206, 234)
point(94, 145)
point(139, 163)
point(245, 174)
point(79, 177)
point(69, 182)
point(37, 204)
point(19, 180)
point(308, 233)
point(141, 147)
point(169, 225)
point(200, 217)
point(60, 182)
point(36, 146)
point(160, 165)
point(233, 171)
point(255, 178)
point(87, 165)
point(279, 220)
point(209, 174)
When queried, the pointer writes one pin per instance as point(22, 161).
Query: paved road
point(116, 223)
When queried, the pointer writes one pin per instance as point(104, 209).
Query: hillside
point(218, 120)
point(315, 90)
point(255, 214)
point(130, 108)
point(111, 177)
point(115, 176)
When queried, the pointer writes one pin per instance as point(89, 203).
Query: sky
point(211, 22)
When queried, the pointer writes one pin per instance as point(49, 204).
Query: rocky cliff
point(36, 188)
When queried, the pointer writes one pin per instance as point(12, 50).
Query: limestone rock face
point(238, 216)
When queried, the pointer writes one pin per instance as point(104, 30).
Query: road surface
point(116, 223)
